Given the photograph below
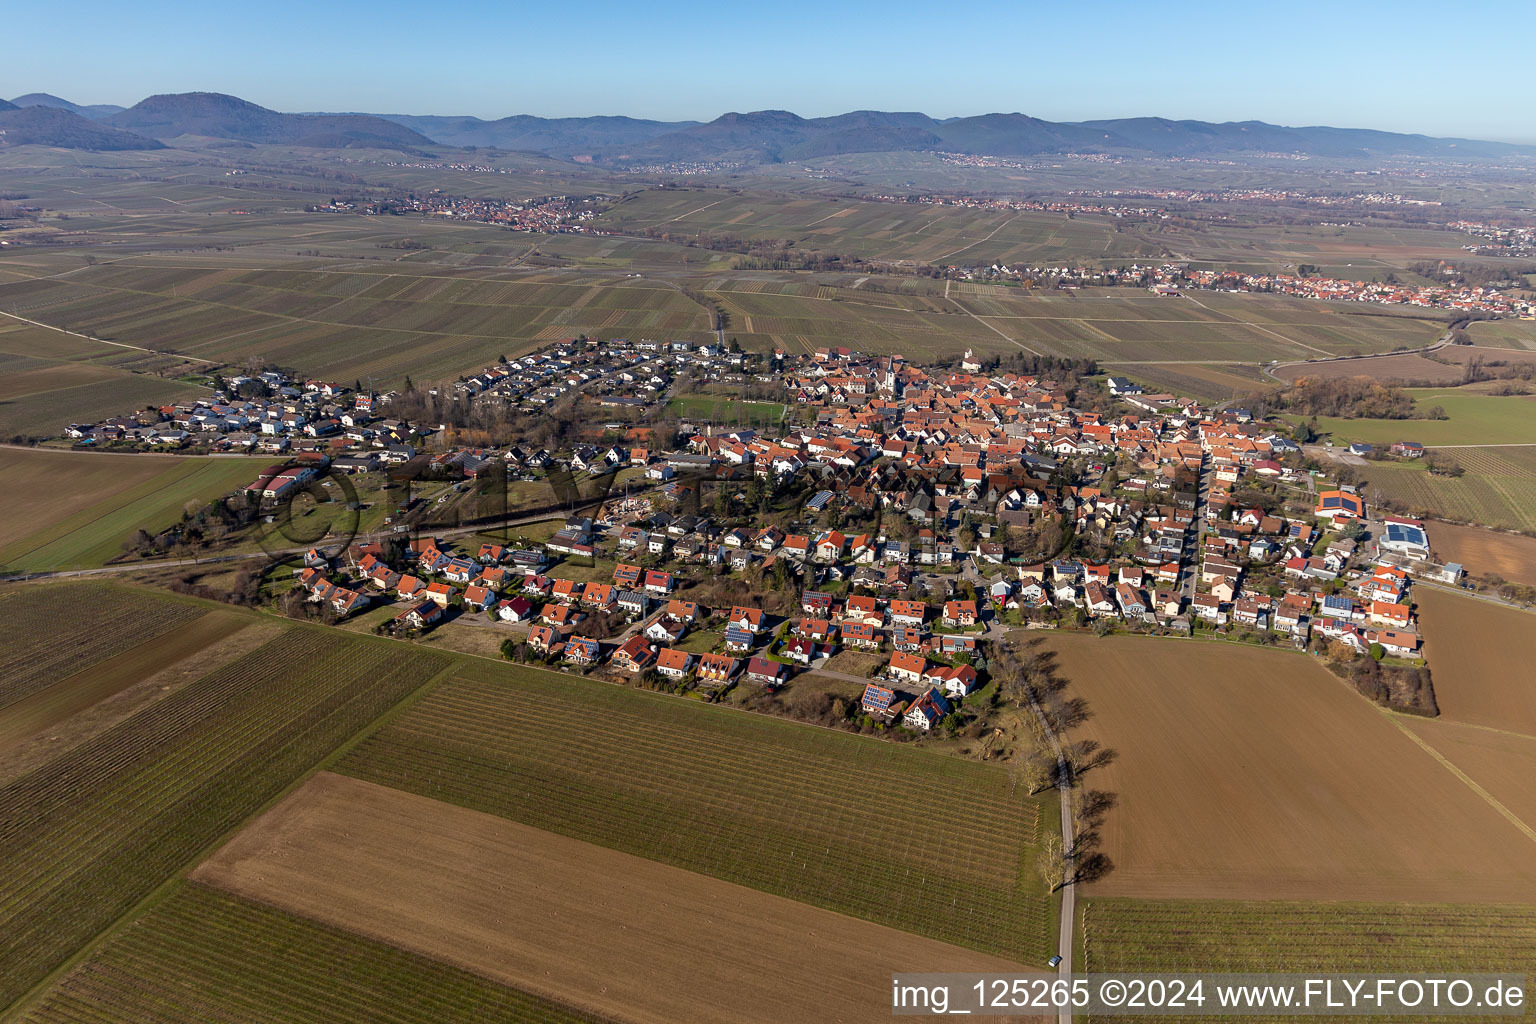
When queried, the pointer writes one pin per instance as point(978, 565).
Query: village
point(913, 517)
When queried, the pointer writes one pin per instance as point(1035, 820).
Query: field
point(109, 620)
point(91, 832)
point(1498, 488)
point(1518, 335)
point(1471, 419)
point(203, 955)
point(759, 802)
point(1251, 774)
point(74, 509)
point(479, 891)
point(86, 686)
point(1378, 938)
point(1485, 552)
point(725, 409)
point(1481, 655)
point(1209, 382)
point(49, 378)
point(1406, 367)
point(963, 236)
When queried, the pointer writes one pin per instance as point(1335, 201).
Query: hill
point(555, 136)
point(52, 126)
point(219, 116)
point(772, 136)
point(6, 105)
point(94, 111)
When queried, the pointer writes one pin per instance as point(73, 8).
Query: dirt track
point(578, 923)
point(1251, 774)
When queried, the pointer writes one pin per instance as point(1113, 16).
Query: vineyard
point(1498, 487)
point(103, 621)
point(93, 831)
point(827, 818)
point(202, 955)
point(1382, 938)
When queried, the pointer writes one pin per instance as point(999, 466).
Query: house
point(860, 634)
point(1132, 603)
point(442, 593)
point(1096, 598)
point(908, 638)
point(634, 655)
point(543, 638)
point(627, 576)
point(816, 603)
point(631, 602)
point(819, 630)
point(658, 584)
point(717, 668)
point(422, 615)
point(666, 631)
point(562, 616)
point(1398, 643)
point(516, 609)
point(1339, 505)
point(927, 711)
point(1224, 589)
point(738, 640)
point(683, 611)
point(765, 671)
point(749, 620)
point(953, 680)
point(674, 663)
point(908, 613)
point(863, 608)
point(907, 668)
point(959, 613)
point(878, 702)
point(1389, 614)
point(599, 595)
point(800, 649)
point(479, 598)
point(581, 650)
point(950, 645)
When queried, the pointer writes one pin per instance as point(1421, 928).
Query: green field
point(1137, 936)
point(1471, 419)
point(806, 813)
point(1498, 487)
point(75, 510)
point(1510, 334)
point(110, 620)
point(93, 831)
point(723, 409)
point(202, 955)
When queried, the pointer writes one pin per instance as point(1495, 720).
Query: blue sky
point(1395, 66)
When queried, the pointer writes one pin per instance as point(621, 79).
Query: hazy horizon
point(1370, 68)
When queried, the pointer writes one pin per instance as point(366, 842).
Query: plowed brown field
point(1483, 656)
point(581, 924)
point(1252, 774)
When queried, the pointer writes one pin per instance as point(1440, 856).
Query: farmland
point(1406, 367)
point(1251, 774)
point(438, 880)
point(1486, 552)
point(1497, 488)
point(205, 955)
point(754, 801)
point(1471, 419)
point(91, 832)
point(75, 509)
point(111, 620)
point(1379, 938)
point(1517, 335)
point(1481, 653)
